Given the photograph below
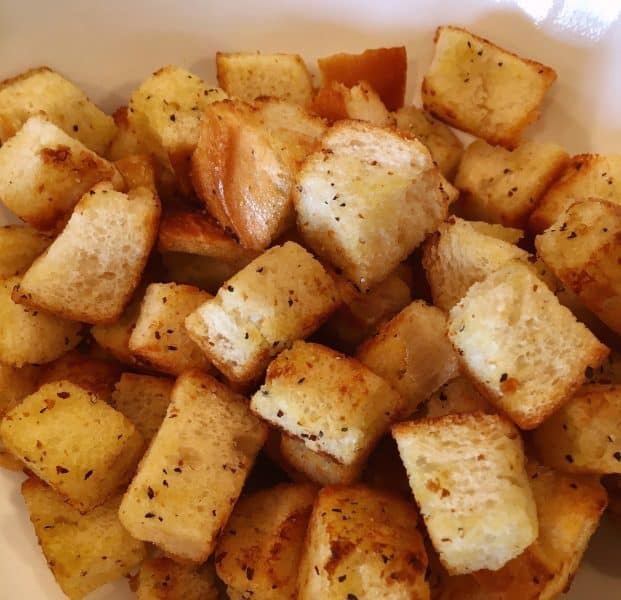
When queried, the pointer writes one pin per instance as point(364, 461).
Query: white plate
point(109, 49)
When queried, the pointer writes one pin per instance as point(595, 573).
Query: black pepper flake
point(63, 395)
point(249, 573)
point(164, 300)
point(213, 512)
point(43, 410)
point(61, 470)
point(344, 428)
point(260, 270)
point(280, 414)
point(617, 456)
point(316, 570)
point(569, 458)
point(480, 53)
point(588, 372)
point(173, 118)
point(177, 469)
point(149, 515)
point(342, 578)
point(500, 64)
point(572, 235)
point(165, 483)
point(503, 377)
point(301, 379)
point(88, 474)
point(150, 493)
point(157, 335)
point(573, 486)
point(290, 302)
point(76, 128)
point(246, 336)
point(353, 596)
point(230, 288)
point(172, 348)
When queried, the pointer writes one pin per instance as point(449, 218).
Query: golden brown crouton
point(19, 246)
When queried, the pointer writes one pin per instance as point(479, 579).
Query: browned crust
point(23, 76)
point(472, 418)
point(329, 102)
point(137, 170)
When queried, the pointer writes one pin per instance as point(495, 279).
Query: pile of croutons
point(265, 341)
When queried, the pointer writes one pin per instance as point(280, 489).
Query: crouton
point(526, 352)
point(500, 232)
point(483, 89)
point(260, 548)
point(44, 172)
point(281, 296)
point(444, 146)
point(385, 69)
point(502, 186)
point(51, 431)
point(367, 198)
point(456, 396)
point(83, 552)
point(19, 246)
point(194, 469)
point(32, 336)
point(126, 140)
point(586, 176)
point(362, 543)
point(331, 401)
point(412, 353)
point(468, 477)
point(41, 91)
point(459, 255)
point(138, 170)
point(251, 75)
point(92, 268)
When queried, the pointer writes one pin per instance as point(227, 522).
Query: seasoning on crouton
point(457, 396)
point(19, 246)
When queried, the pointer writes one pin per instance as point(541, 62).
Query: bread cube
point(138, 170)
point(92, 268)
point(482, 88)
point(44, 172)
point(83, 552)
point(259, 551)
point(459, 255)
point(19, 246)
point(586, 176)
point(194, 469)
point(457, 396)
point(332, 402)
point(385, 69)
point(127, 139)
point(283, 295)
point(251, 75)
point(367, 198)
point(42, 91)
point(52, 432)
point(503, 186)
point(32, 336)
point(500, 232)
point(468, 477)
point(363, 543)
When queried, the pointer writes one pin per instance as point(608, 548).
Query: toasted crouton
point(52, 430)
point(586, 176)
point(44, 172)
point(523, 349)
point(332, 402)
point(385, 69)
point(84, 552)
point(259, 551)
point(455, 397)
point(92, 268)
point(367, 199)
point(363, 543)
point(42, 91)
point(502, 186)
point(468, 477)
point(126, 140)
point(19, 246)
point(251, 75)
point(412, 353)
point(483, 89)
point(194, 469)
point(137, 170)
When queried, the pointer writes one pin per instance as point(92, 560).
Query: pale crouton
point(92, 268)
point(44, 172)
point(126, 140)
point(42, 91)
point(251, 75)
point(194, 469)
point(281, 296)
point(503, 186)
point(367, 198)
point(331, 401)
point(19, 246)
point(260, 549)
point(32, 336)
point(457, 396)
point(363, 543)
point(468, 477)
point(83, 552)
point(483, 89)
point(385, 69)
point(523, 349)
point(459, 255)
point(52, 432)
point(586, 176)
point(445, 147)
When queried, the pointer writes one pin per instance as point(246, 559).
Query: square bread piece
point(483, 89)
point(412, 353)
point(44, 172)
point(468, 477)
point(331, 401)
point(586, 176)
point(194, 469)
point(92, 268)
point(281, 296)
point(42, 91)
point(53, 431)
point(526, 352)
point(503, 186)
point(259, 551)
point(365, 544)
point(19, 246)
point(83, 552)
point(582, 249)
point(367, 198)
